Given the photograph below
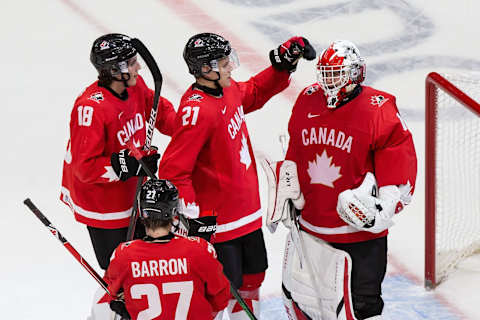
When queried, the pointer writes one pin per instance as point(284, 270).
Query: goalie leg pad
point(332, 269)
point(291, 307)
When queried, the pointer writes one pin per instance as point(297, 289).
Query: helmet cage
point(334, 80)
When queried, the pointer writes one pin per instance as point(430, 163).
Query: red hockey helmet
point(340, 67)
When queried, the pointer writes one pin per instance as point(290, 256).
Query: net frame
point(436, 86)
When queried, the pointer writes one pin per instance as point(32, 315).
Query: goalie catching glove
point(368, 208)
point(283, 185)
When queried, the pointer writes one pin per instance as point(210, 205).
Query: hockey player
point(210, 157)
point(99, 175)
point(164, 276)
point(356, 169)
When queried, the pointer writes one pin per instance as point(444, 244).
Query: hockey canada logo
point(195, 97)
point(323, 171)
point(97, 97)
point(378, 100)
point(198, 43)
point(312, 89)
point(104, 45)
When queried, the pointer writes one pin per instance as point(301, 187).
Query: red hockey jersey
point(210, 158)
point(100, 124)
point(335, 148)
point(176, 279)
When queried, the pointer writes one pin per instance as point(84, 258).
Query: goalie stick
point(66, 244)
point(158, 81)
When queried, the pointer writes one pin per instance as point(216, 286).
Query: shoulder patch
point(378, 100)
point(97, 97)
point(312, 89)
point(195, 97)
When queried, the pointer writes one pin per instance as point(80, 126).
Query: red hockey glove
point(126, 166)
point(286, 56)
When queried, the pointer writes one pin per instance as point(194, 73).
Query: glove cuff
point(275, 59)
point(114, 161)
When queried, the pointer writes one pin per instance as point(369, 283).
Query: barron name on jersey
point(158, 268)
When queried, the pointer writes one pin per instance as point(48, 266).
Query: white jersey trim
point(325, 230)
point(90, 214)
point(239, 223)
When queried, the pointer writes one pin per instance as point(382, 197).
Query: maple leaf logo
point(190, 210)
point(244, 153)
point(110, 174)
point(323, 171)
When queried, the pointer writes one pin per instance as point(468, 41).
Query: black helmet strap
point(124, 78)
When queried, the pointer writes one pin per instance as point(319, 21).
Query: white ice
point(45, 65)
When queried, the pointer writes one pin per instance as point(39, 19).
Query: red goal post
point(452, 173)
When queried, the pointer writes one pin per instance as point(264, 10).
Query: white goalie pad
point(329, 293)
point(283, 185)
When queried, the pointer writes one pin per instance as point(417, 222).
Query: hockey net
point(452, 179)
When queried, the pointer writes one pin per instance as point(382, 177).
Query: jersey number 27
point(185, 288)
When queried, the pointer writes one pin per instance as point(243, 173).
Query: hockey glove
point(283, 187)
point(362, 209)
point(286, 56)
point(126, 166)
point(203, 227)
point(118, 306)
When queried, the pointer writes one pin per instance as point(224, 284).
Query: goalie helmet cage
point(452, 173)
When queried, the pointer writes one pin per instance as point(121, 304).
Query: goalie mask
point(158, 200)
point(339, 69)
point(206, 49)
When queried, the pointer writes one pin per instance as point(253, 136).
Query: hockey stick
point(158, 80)
point(66, 244)
point(136, 153)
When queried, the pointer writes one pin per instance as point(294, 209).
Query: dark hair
point(155, 224)
point(104, 78)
